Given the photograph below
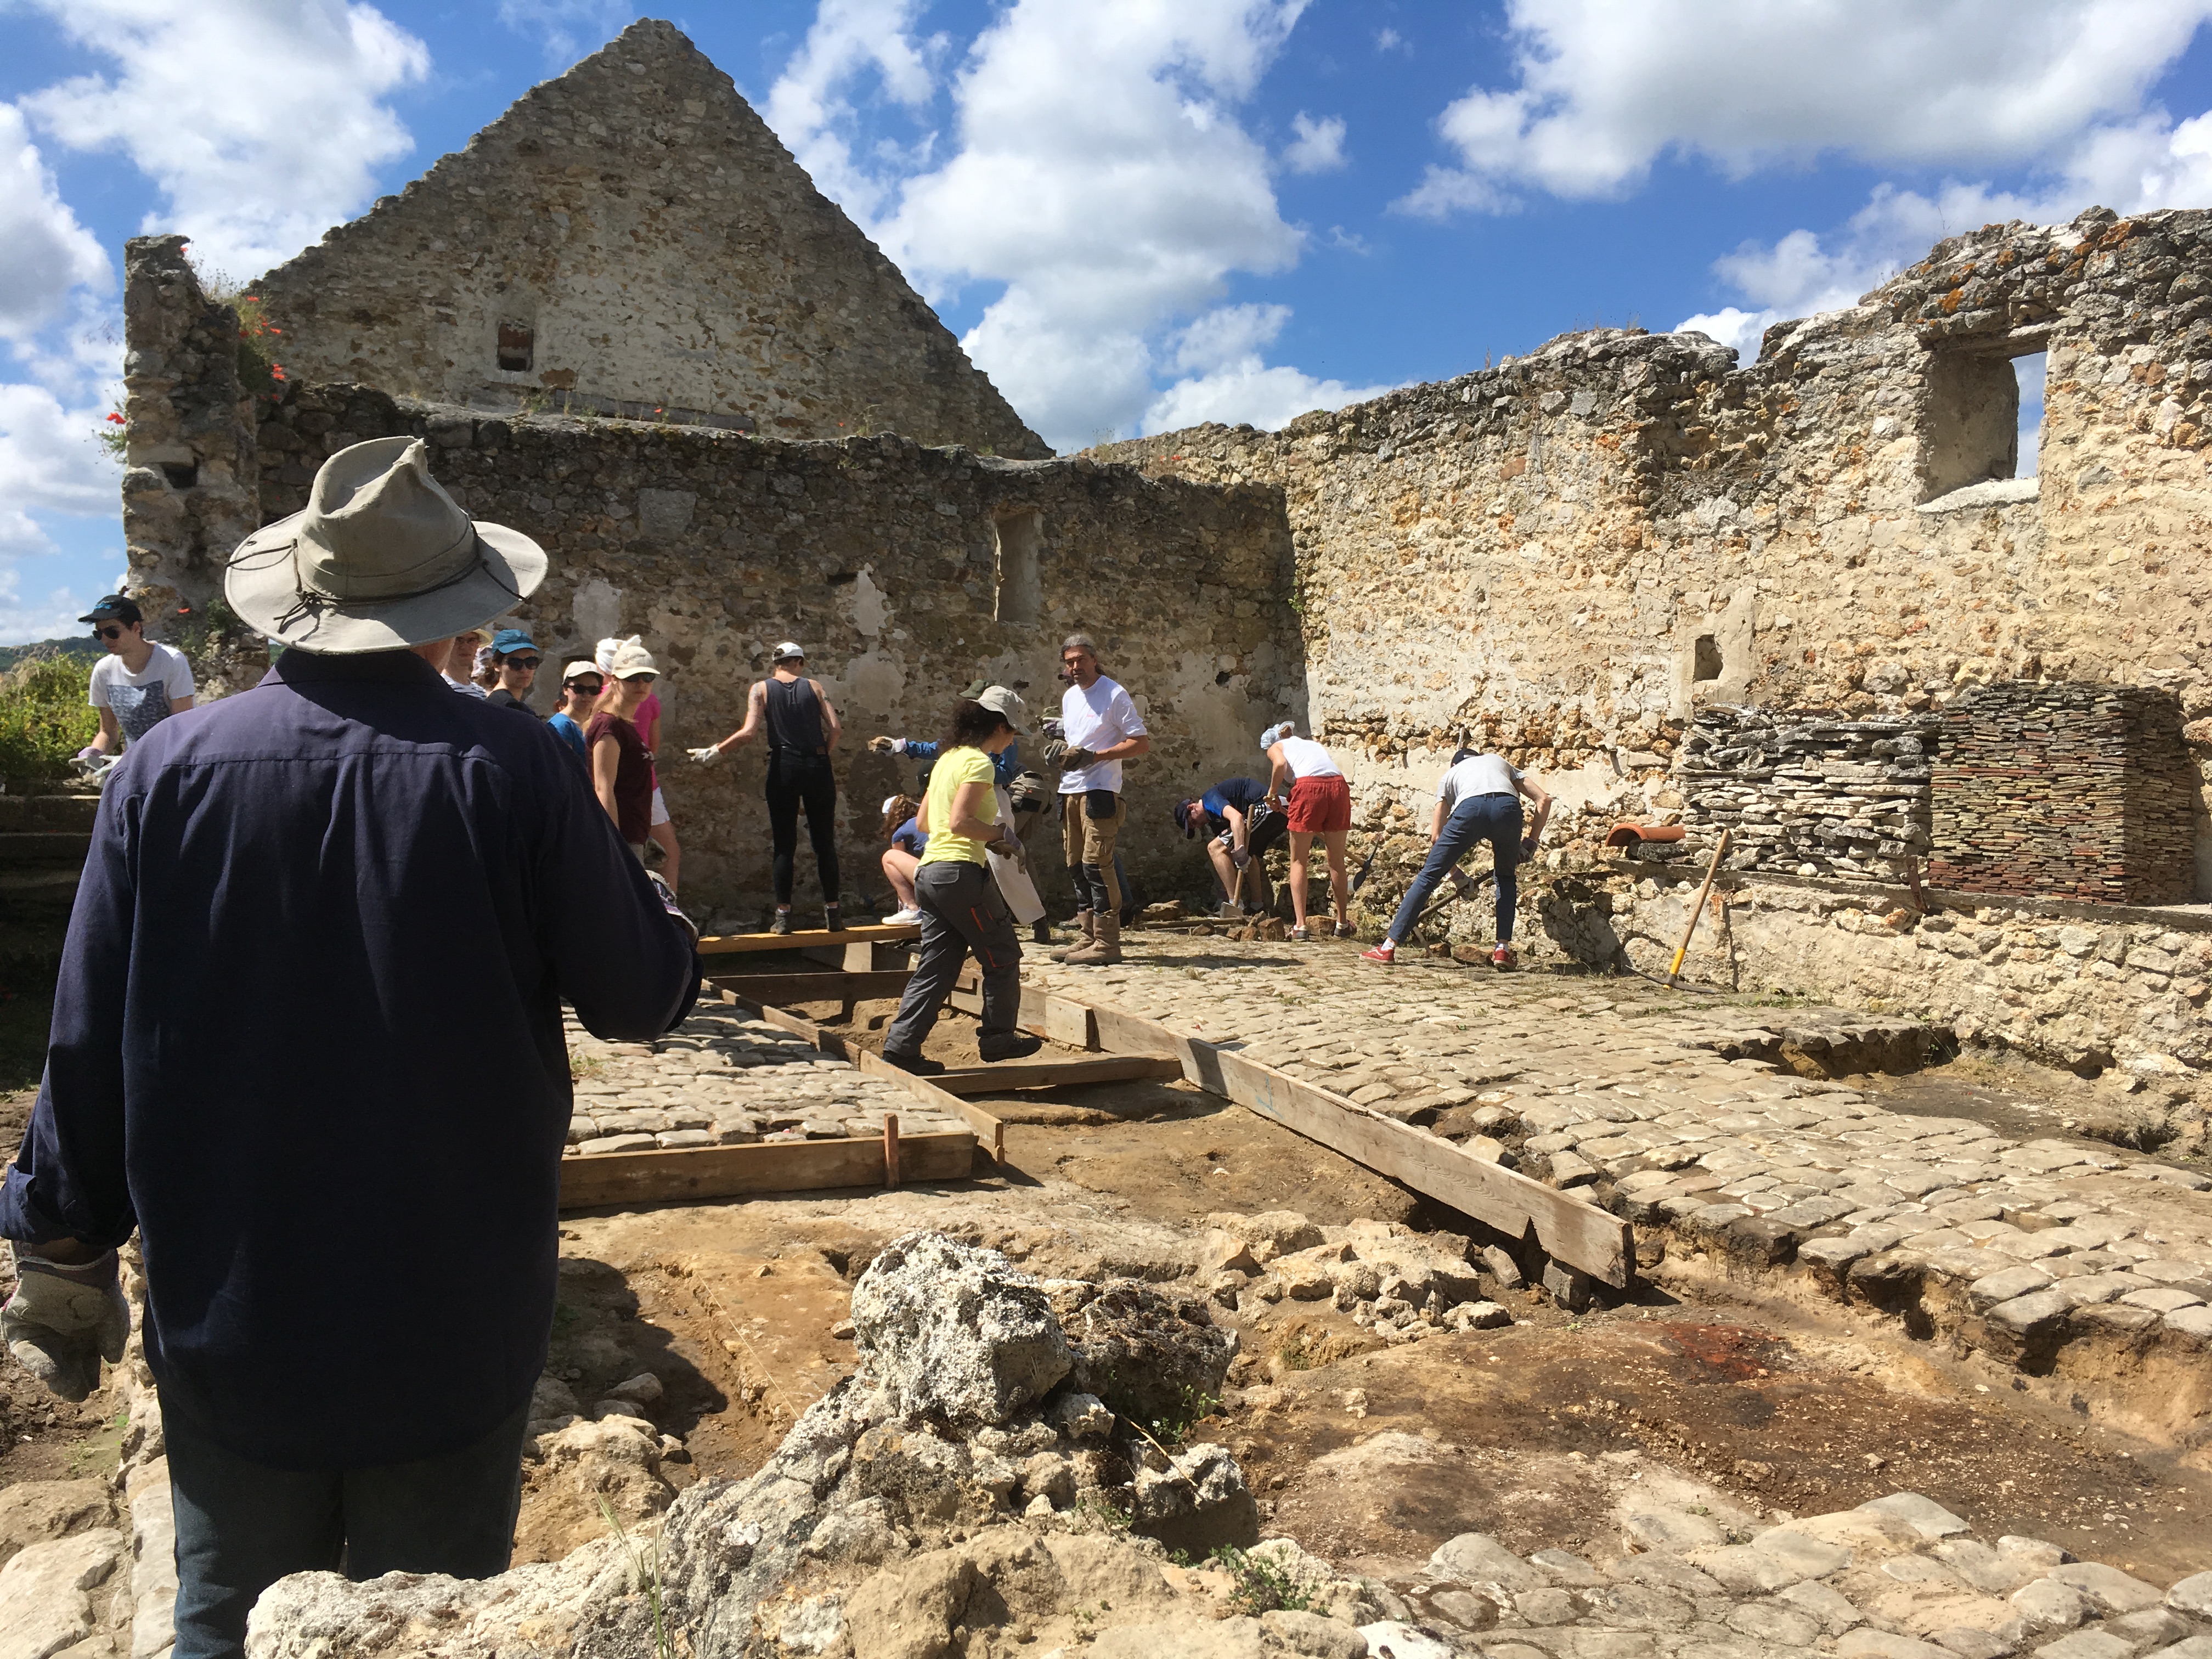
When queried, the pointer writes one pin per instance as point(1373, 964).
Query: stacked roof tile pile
point(2077, 791)
point(1810, 794)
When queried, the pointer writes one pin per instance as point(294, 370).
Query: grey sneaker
point(781, 924)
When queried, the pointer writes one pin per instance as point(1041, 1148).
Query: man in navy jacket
point(338, 1138)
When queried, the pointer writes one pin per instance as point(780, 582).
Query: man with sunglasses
point(139, 683)
point(516, 659)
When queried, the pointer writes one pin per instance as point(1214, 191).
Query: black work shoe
point(833, 918)
point(780, 923)
point(1041, 932)
point(914, 1063)
point(1012, 1048)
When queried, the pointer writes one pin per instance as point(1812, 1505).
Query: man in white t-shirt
point(1100, 728)
point(138, 683)
point(1479, 800)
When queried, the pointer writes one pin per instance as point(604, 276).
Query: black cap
point(115, 607)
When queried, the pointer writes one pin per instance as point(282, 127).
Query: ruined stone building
point(1954, 718)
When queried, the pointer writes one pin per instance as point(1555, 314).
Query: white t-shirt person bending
point(1479, 800)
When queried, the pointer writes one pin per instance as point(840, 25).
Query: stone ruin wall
point(631, 237)
point(1577, 555)
point(906, 572)
point(1574, 552)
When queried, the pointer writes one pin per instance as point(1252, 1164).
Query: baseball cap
point(1186, 814)
point(115, 607)
point(632, 659)
point(509, 639)
point(1006, 704)
point(576, 671)
point(787, 650)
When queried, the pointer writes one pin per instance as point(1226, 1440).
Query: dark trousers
point(241, 1526)
point(794, 780)
point(1493, 818)
point(962, 915)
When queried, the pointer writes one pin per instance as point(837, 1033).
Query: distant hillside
point(83, 646)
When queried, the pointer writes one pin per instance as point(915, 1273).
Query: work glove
point(886, 746)
point(1462, 884)
point(62, 1321)
point(1528, 848)
point(1241, 857)
point(668, 903)
point(1068, 758)
point(706, 756)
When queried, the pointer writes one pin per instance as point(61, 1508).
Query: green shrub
point(44, 717)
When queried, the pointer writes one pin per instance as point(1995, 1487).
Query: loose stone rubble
point(723, 1079)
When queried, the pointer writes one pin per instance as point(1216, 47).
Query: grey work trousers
point(962, 915)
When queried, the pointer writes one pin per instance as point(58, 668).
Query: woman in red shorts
point(1320, 804)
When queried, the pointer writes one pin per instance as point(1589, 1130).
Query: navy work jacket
point(308, 1040)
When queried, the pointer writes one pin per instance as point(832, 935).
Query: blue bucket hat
point(508, 640)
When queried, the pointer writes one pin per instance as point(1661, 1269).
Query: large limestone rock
point(1156, 1359)
point(525, 1613)
point(45, 1592)
point(37, 1511)
point(952, 1331)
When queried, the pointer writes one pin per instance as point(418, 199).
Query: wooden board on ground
point(785, 990)
point(1580, 1234)
point(698, 1173)
point(1006, 1076)
point(990, 1134)
point(870, 933)
point(1056, 1018)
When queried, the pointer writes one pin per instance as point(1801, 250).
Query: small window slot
point(1020, 591)
point(516, 347)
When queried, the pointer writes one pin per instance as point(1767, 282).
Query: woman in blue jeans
point(1479, 800)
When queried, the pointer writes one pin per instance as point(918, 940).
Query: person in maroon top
point(622, 766)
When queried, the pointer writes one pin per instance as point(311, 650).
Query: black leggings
point(791, 780)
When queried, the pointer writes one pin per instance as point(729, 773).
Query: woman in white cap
point(1319, 804)
point(622, 766)
point(802, 730)
point(662, 830)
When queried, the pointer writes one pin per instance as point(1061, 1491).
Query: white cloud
point(44, 252)
point(50, 460)
point(1388, 40)
point(52, 616)
point(1225, 380)
point(1604, 91)
point(807, 111)
point(1319, 146)
point(568, 29)
point(1100, 178)
point(262, 122)
point(2132, 169)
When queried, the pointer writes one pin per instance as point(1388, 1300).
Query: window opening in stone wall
point(517, 346)
point(1707, 666)
point(2028, 372)
point(1984, 420)
point(181, 474)
point(1020, 591)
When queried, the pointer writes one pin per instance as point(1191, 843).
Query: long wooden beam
point(870, 933)
point(990, 1133)
point(1581, 1235)
point(697, 1173)
point(785, 989)
point(1007, 1075)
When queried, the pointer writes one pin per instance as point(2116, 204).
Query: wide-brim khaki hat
point(380, 558)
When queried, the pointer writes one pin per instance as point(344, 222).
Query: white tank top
point(1308, 759)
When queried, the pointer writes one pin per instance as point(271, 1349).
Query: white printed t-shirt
point(1478, 775)
point(143, 699)
point(1094, 720)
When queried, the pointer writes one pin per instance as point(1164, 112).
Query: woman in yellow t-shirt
point(961, 911)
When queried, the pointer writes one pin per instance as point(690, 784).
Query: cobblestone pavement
point(1676, 1111)
point(1901, 1577)
point(722, 1079)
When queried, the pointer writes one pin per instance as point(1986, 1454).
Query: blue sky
point(1138, 213)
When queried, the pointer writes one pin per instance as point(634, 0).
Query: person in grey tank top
point(802, 729)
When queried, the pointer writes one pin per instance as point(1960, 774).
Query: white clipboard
point(1013, 874)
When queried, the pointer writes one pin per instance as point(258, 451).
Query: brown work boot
point(1084, 935)
point(1105, 951)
